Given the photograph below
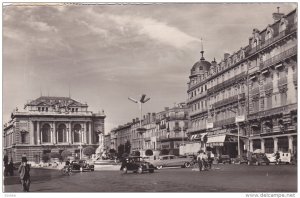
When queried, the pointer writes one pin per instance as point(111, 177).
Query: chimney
point(226, 55)
point(166, 108)
point(133, 120)
point(277, 15)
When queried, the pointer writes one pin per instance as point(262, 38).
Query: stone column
point(90, 133)
point(70, 133)
point(38, 132)
point(290, 138)
point(275, 144)
point(54, 133)
point(31, 133)
point(262, 145)
point(251, 145)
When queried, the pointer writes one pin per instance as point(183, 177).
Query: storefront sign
point(209, 125)
point(240, 118)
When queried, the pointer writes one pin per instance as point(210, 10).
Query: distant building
point(51, 124)
point(256, 87)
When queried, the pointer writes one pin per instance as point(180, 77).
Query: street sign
point(240, 118)
point(209, 125)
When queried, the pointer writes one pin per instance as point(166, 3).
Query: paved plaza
point(222, 178)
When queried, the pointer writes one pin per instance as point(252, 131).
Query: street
point(222, 178)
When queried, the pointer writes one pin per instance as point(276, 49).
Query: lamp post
point(140, 103)
point(80, 145)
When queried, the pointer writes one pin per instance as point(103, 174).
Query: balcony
point(227, 83)
point(221, 123)
point(194, 129)
point(192, 113)
point(171, 118)
point(280, 57)
point(272, 112)
point(201, 95)
point(268, 42)
point(229, 100)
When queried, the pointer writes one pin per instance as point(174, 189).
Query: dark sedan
point(82, 165)
point(138, 165)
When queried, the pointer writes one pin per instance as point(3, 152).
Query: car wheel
point(187, 165)
point(159, 167)
point(140, 170)
point(92, 169)
point(256, 163)
point(151, 170)
point(125, 170)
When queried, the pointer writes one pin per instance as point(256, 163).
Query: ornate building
point(51, 124)
point(251, 94)
point(272, 63)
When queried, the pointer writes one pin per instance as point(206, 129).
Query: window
point(42, 108)
point(76, 133)
point(23, 138)
point(76, 109)
point(62, 133)
point(269, 145)
point(39, 108)
point(46, 109)
point(46, 133)
point(283, 98)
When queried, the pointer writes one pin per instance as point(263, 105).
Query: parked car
point(240, 160)
point(82, 165)
point(284, 157)
point(259, 159)
point(138, 164)
point(224, 159)
point(172, 160)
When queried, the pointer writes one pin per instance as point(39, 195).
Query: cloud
point(155, 30)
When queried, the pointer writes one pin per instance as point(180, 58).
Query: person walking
point(199, 160)
point(11, 168)
point(277, 155)
point(205, 161)
point(24, 170)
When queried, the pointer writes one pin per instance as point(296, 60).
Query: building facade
point(250, 96)
point(51, 124)
point(272, 79)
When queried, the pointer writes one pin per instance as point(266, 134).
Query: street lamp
point(140, 103)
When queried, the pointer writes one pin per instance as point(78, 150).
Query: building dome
point(200, 67)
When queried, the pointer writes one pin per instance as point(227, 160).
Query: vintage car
point(137, 165)
point(172, 160)
point(259, 159)
point(285, 158)
point(82, 165)
point(224, 159)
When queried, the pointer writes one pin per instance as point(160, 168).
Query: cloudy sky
point(106, 53)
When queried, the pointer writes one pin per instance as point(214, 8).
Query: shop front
point(225, 144)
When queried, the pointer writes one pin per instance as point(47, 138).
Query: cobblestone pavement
point(222, 178)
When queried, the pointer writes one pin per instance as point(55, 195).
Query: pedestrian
point(5, 160)
point(199, 160)
point(210, 159)
point(277, 156)
point(24, 170)
point(205, 161)
point(11, 168)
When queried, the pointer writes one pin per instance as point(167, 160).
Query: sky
point(103, 54)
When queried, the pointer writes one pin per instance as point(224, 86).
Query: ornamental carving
point(268, 92)
point(282, 89)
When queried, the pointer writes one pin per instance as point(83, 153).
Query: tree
point(55, 155)
point(65, 154)
point(136, 153)
point(112, 151)
point(127, 147)
point(120, 150)
point(45, 157)
point(164, 152)
point(89, 151)
point(149, 152)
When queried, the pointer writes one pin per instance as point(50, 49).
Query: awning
point(216, 140)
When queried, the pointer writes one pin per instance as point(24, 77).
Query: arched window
point(76, 134)
point(46, 133)
point(282, 25)
point(62, 133)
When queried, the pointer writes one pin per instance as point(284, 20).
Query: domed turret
point(200, 67)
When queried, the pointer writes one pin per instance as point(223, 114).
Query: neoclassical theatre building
point(51, 124)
